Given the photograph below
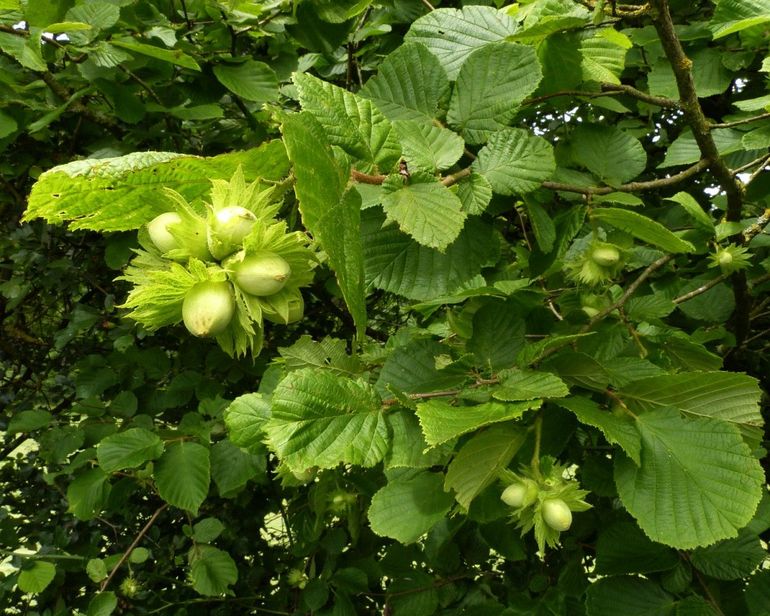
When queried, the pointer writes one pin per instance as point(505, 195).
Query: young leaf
point(408, 507)
point(428, 147)
point(320, 419)
point(491, 85)
point(408, 448)
point(697, 483)
point(182, 475)
point(245, 419)
point(604, 55)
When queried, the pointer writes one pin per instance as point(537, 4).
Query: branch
point(642, 96)
point(77, 107)
point(764, 116)
point(134, 543)
point(701, 130)
point(695, 169)
point(701, 289)
point(620, 302)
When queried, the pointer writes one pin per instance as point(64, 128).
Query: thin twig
point(134, 543)
point(701, 289)
point(763, 116)
point(428, 5)
point(748, 166)
point(642, 96)
point(695, 169)
point(630, 290)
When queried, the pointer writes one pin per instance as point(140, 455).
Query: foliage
point(527, 256)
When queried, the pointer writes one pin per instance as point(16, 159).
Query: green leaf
point(212, 571)
point(542, 225)
point(87, 494)
point(548, 17)
point(102, 604)
point(684, 150)
point(441, 421)
point(579, 368)
point(319, 419)
point(618, 430)
point(729, 396)
point(123, 193)
point(611, 154)
point(709, 74)
point(624, 548)
point(337, 11)
point(22, 51)
point(182, 475)
point(207, 530)
point(498, 334)
point(475, 193)
point(350, 121)
point(8, 125)
point(643, 228)
point(758, 593)
point(172, 56)
point(452, 34)
point(604, 55)
point(128, 449)
point(250, 80)
point(99, 14)
point(408, 448)
point(630, 596)
point(731, 559)
point(409, 84)
point(36, 575)
point(528, 385)
point(427, 211)
point(758, 138)
point(332, 215)
point(96, 569)
point(245, 419)
point(515, 162)
point(232, 468)
point(491, 85)
point(328, 354)
point(412, 369)
point(29, 421)
point(476, 465)
point(693, 208)
point(732, 16)
point(396, 263)
point(428, 147)
point(408, 507)
point(697, 483)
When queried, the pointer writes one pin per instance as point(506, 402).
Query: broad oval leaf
point(426, 146)
point(491, 85)
point(611, 154)
point(88, 493)
point(407, 508)
point(515, 162)
point(452, 34)
point(35, 576)
point(428, 211)
point(128, 449)
point(212, 571)
point(321, 419)
point(697, 483)
point(409, 84)
point(630, 596)
point(245, 419)
point(251, 80)
point(182, 475)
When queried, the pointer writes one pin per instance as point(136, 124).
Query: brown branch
point(130, 549)
point(364, 178)
point(695, 169)
point(456, 177)
point(642, 96)
point(701, 130)
point(764, 116)
point(630, 290)
point(701, 289)
point(753, 163)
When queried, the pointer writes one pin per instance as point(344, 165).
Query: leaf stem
point(535, 464)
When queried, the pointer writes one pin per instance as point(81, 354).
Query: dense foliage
point(384, 306)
